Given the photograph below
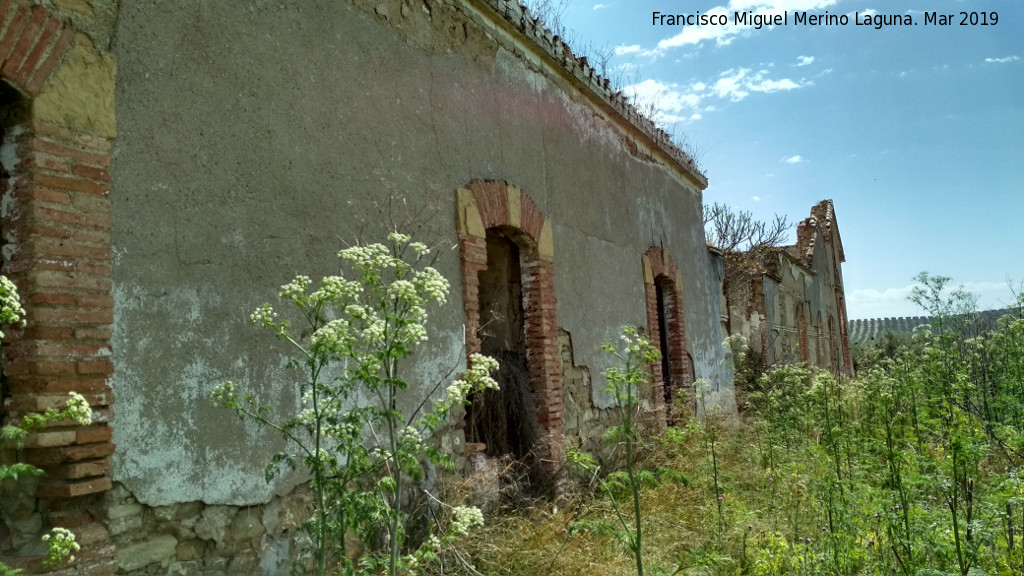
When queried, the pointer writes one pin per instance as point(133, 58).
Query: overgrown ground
point(914, 468)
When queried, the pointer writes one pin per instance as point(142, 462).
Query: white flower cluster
point(371, 257)
point(335, 337)
point(336, 289)
point(399, 239)
point(404, 291)
point(432, 285)
point(78, 409)
point(223, 393)
point(296, 289)
point(60, 542)
point(476, 377)
point(412, 440)
point(264, 316)
point(10, 304)
point(466, 518)
point(419, 248)
point(306, 417)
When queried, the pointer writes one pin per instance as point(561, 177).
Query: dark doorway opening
point(663, 293)
point(504, 420)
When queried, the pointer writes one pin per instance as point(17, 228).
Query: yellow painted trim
point(470, 223)
point(546, 242)
point(648, 270)
point(515, 206)
point(79, 94)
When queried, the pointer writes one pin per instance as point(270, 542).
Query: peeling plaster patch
point(118, 252)
point(513, 69)
point(441, 360)
point(174, 444)
point(236, 240)
point(654, 225)
point(9, 159)
point(589, 126)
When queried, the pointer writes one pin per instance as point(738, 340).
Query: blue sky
point(915, 132)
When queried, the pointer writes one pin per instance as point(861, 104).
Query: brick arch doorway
point(673, 376)
point(507, 255)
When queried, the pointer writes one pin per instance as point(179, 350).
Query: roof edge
point(518, 18)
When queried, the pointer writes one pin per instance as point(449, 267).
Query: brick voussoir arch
point(58, 253)
point(32, 44)
point(659, 267)
point(485, 204)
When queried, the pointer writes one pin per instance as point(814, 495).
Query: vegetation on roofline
point(549, 14)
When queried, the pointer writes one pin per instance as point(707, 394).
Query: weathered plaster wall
point(712, 361)
point(250, 142)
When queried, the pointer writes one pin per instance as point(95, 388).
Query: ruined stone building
point(168, 165)
point(789, 303)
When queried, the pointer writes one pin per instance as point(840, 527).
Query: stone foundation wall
point(203, 539)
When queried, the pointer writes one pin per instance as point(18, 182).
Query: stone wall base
point(201, 539)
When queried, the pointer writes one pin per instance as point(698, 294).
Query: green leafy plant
point(362, 451)
point(625, 380)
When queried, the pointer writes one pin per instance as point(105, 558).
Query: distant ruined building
point(789, 302)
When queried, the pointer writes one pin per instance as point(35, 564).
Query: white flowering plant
point(351, 338)
point(634, 356)
point(60, 542)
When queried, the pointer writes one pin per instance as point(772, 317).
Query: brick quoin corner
point(57, 251)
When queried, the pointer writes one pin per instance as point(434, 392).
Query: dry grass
point(680, 525)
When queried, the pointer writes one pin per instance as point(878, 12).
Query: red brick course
point(58, 234)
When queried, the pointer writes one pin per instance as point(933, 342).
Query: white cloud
point(622, 50)
point(769, 175)
point(600, 6)
point(730, 85)
point(772, 85)
point(892, 302)
point(669, 103)
point(665, 103)
point(804, 60)
point(793, 159)
point(755, 198)
point(1002, 60)
point(722, 35)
